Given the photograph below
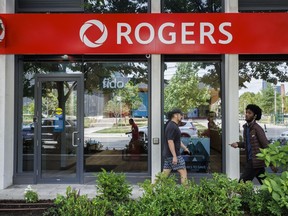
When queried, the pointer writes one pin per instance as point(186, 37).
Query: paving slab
point(50, 191)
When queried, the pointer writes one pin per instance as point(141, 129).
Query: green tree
point(267, 100)
point(28, 108)
point(130, 96)
point(184, 90)
point(49, 103)
point(116, 6)
point(116, 108)
point(124, 100)
point(195, 6)
point(285, 104)
point(94, 72)
point(245, 99)
point(270, 71)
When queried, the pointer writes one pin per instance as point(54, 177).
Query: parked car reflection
point(186, 127)
point(50, 138)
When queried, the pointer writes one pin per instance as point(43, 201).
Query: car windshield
point(182, 123)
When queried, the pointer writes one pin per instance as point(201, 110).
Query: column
point(155, 106)
point(231, 62)
point(6, 109)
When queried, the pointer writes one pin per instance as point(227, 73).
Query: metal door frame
point(39, 78)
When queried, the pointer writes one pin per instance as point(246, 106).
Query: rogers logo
point(2, 30)
point(100, 40)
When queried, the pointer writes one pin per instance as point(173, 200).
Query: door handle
point(73, 139)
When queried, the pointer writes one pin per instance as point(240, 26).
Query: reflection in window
point(26, 143)
point(264, 84)
point(192, 6)
point(114, 93)
point(116, 6)
point(194, 87)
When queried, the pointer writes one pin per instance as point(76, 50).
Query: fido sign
point(246, 33)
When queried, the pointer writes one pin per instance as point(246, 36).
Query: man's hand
point(174, 160)
point(187, 150)
point(234, 145)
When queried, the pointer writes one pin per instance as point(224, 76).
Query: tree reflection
point(116, 6)
point(192, 6)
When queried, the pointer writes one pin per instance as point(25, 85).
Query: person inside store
point(254, 139)
point(172, 144)
point(213, 132)
point(211, 125)
point(134, 142)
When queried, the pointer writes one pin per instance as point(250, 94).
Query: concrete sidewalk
point(50, 191)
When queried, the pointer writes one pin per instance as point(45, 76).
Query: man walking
point(254, 139)
point(172, 144)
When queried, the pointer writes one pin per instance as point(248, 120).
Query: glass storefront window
point(194, 87)
point(115, 6)
point(25, 148)
point(191, 6)
point(265, 84)
point(114, 93)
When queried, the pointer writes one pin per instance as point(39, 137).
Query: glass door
point(59, 128)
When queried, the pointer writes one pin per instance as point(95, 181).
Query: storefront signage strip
point(229, 33)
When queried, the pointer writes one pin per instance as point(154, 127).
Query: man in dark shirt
point(172, 144)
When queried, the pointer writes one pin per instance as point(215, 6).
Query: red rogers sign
point(124, 33)
point(229, 33)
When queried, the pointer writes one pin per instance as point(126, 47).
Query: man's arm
point(263, 141)
point(238, 145)
point(184, 147)
point(172, 150)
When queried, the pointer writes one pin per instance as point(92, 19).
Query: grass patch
point(119, 129)
point(199, 126)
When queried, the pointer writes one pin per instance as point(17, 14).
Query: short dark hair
point(172, 112)
point(131, 120)
point(256, 110)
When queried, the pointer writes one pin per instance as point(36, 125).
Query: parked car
point(283, 137)
point(186, 127)
point(49, 138)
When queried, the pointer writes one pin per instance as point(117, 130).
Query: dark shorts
point(180, 164)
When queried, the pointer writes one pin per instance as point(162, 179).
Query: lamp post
point(275, 103)
point(119, 99)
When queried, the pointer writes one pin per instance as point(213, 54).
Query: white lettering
point(172, 35)
point(226, 33)
point(120, 84)
point(185, 33)
point(137, 33)
point(105, 83)
point(112, 84)
point(124, 34)
point(144, 33)
point(208, 33)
